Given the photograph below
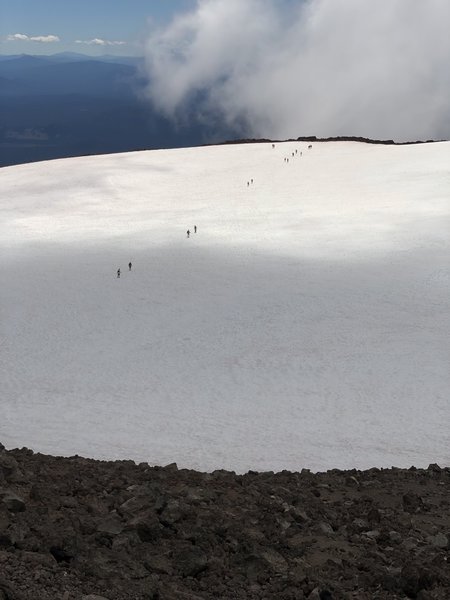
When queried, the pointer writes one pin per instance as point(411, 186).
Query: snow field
point(304, 325)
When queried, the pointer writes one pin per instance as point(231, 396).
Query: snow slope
point(305, 324)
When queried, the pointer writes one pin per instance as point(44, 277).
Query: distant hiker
point(118, 273)
point(296, 152)
point(251, 180)
point(195, 228)
point(309, 147)
point(129, 266)
point(273, 145)
point(188, 233)
point(292, 154)
point(301, 153)
point(248, 183)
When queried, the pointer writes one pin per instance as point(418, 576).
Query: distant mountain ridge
point(70, 104)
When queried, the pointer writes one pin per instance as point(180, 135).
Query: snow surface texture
point(305, 324)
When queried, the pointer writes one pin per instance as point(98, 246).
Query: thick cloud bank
point(324, 67)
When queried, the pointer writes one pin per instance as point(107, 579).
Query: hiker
point(129, 266)
point(118, 273)
point(251, 180)
point(195, 228)
point(188, 233)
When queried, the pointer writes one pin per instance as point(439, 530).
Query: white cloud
point(43, 39)
point(17, 37)
point(353, 67)
point(100, 42)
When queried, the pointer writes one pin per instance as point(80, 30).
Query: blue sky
point(110, 26)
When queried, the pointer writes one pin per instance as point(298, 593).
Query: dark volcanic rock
point(73, 528)
point(13, 502)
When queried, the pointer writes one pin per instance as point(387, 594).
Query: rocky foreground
point(75, 528)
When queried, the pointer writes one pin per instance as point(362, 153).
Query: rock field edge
point(81, 529)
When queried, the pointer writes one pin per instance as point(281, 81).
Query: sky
point(267, 68)
point(86, 26)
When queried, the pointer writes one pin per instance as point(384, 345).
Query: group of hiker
point(249, 182)
point(129, 268)
point(286, 159)
point(188, 232)
point(130, 264)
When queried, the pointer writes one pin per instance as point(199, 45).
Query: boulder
point(111, 526)
point(190, 562)
point(274, 560)
point(146, 525)
point(438, 541)
point(13, 502)
point(412, 503)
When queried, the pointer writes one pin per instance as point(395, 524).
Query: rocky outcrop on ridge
point(338, 138)
point(76, 528)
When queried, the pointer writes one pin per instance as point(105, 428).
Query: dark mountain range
point(70, 104)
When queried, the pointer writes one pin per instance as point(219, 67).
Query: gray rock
point(38, 559)
point(325, 528)
point(93, 597)
point(158, 564)
point(172, 513)
point(191, 561)
point(69, 502)
point(299, 515)
point(274, 560)
point(361, 524)
point(111, 526)
point(412, 503)
point(8, 464)
point(438, 541)
point(196, 495)
point(17, 533)
point(409, 544)
point(372, 535)
point(374, 515)
point(434, 467)
point(134, 505)
point(296, 542)
point(171, 467)
point(351, 480)
point(395, 537)
point(147, 526)
point(13, 502)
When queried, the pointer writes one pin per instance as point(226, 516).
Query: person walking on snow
point(188, 233)
point(129, 266)
point(118, 273)
point(195, 228)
